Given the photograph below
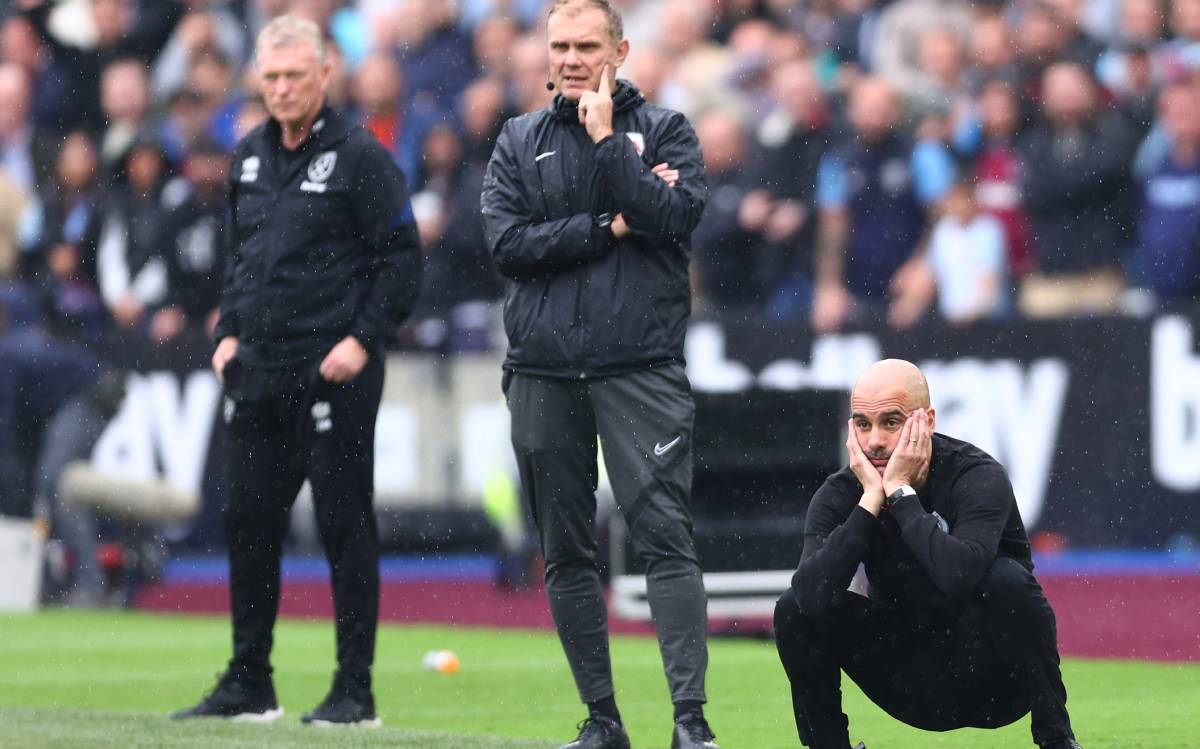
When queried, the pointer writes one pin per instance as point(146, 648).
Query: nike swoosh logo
point(661, 449)
point(541, 156)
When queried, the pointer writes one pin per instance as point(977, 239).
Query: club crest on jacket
point(322, 166)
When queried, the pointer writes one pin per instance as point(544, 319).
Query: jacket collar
point(626, 97)
point(330, 127)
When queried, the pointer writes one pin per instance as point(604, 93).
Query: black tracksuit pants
point(986, 669)
point(325, 433)
point(644, 422)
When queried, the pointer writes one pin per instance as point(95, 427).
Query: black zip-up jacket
point(925, 557)
point(580, 303)
point(321, 244)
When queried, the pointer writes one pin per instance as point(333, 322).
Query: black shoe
point(237, 698)
point(1067, 743)
point(340, 708)
point(692, 732)
point(599, 732)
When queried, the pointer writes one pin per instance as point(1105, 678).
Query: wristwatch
point(904, 491)
point(603, 221)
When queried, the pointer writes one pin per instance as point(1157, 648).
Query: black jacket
point(580, 303)
point(322, 244)
point(925, 557)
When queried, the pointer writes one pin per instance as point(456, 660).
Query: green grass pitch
point(99, 680)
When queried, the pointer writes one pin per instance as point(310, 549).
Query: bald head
point(886, 393)
point(892, 377)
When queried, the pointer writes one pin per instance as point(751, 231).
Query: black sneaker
point(340, 708)
point(692, 732)
point(237, 698)
point(1067, 743)
point(599, 732)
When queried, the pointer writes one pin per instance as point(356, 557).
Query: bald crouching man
point(954, 630)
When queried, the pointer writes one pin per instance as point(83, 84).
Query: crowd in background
point(866, 160)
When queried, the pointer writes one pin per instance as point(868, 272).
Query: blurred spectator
point(251, 113)
point(121, 30)
point(1164, 260)
point(203, 109)
point(992, 52)
point(986, 136)
point(71, 434)
point(1181, 55)
point(191, 236)
point(474, 13)
point(21, 46)
point(1076, 187)
point(793, 138)
point(62, 264)
point(378, 95)
point(852, 36)
point(130, 267)
point(1130, 69)
point(725, 247)
point(898, 37)
point(13, 203)
point(434, 54)
point(1045, 36)
point(645, 68)
point(942, 61)
point(460, 283)
point(492, 44)
point(26, 155)
point(38, 374)
point(967, 258)
point(208, 25)
point(125, 101)
point(1078, 44)
point(482, 111)
point(530, 72)
point(873, 191)
point(698, 67)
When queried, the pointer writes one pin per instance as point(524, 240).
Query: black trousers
point(325, 433)
point(988, 668)
point(644, 423)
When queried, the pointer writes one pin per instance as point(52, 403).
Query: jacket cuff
point(860, 525)
point(226, 327)
point(369, 340)
point(606, 140)
point(907, 511)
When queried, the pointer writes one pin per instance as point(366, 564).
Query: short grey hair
point(616, 28)
point(289, 31)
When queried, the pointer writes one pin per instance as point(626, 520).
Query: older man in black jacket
point(954, 630)
point(324, 263)
point(594, 242)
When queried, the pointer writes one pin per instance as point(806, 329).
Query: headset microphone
point(549, 85)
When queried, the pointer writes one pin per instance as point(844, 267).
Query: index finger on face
point(605, 80)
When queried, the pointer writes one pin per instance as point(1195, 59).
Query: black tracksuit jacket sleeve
point(227, 322)
point(835, 543)
point(837, 540)
point(522, 244)
point(652, 207)
point(385, 219)
point(958, 560)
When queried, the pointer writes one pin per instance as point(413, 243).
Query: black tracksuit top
point(912, 561)
point(321, 244)
point(580, 303)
